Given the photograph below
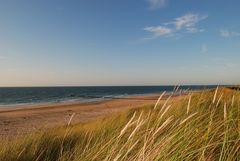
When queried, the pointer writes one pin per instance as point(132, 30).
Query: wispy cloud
point(228, 34)
point(184, 24)
point(155, 4)
point(158, 30)
point(188, 22)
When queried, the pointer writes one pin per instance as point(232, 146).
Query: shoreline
point(20, 121)
point(19, 99)
point(74, 101)
point(23, 106)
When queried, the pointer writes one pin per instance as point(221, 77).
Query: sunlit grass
point(200, 126)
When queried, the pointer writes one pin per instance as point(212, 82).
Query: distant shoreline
point(66, 102)
point(20, 121)
point(38, 96)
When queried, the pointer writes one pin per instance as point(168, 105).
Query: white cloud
point(154, 4)
point(184, 24)
point(228, 34)
point(188, 21)
point(159, 30)
point(194, 30)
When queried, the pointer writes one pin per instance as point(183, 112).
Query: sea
point(11, 96)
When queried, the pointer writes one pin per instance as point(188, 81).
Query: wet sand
point(19, 121)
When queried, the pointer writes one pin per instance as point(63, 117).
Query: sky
point(119, 42)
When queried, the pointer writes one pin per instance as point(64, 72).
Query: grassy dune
point(200, 126)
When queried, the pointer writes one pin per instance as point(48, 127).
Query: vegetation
point(200, 126)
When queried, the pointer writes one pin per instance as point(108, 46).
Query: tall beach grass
point(200, 126)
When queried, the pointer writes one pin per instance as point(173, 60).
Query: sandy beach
point(20, 121)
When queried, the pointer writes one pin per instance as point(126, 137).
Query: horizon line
point(62, 86)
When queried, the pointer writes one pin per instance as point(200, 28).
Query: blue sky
point(119, 42)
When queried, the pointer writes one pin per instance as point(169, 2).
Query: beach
point(16, 122)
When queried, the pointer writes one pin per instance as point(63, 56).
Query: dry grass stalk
point(70, 120)
point(142, 154)
point(130, 149)
point(88, 143)
point(188, 118)
point(175, 89)
point(215, 95)
point(219, 100)
point(165, 103)
point(189, 102)
point(164, 124)
point(165, 111)
point(127, 125)
point(136, 128)
point(159, 100)
point(225, 111)
point(140, 116)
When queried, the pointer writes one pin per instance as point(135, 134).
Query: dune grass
point(201, 126)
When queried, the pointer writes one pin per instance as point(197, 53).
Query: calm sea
point(32, 95)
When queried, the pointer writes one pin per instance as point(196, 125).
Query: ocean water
point(33, 95)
